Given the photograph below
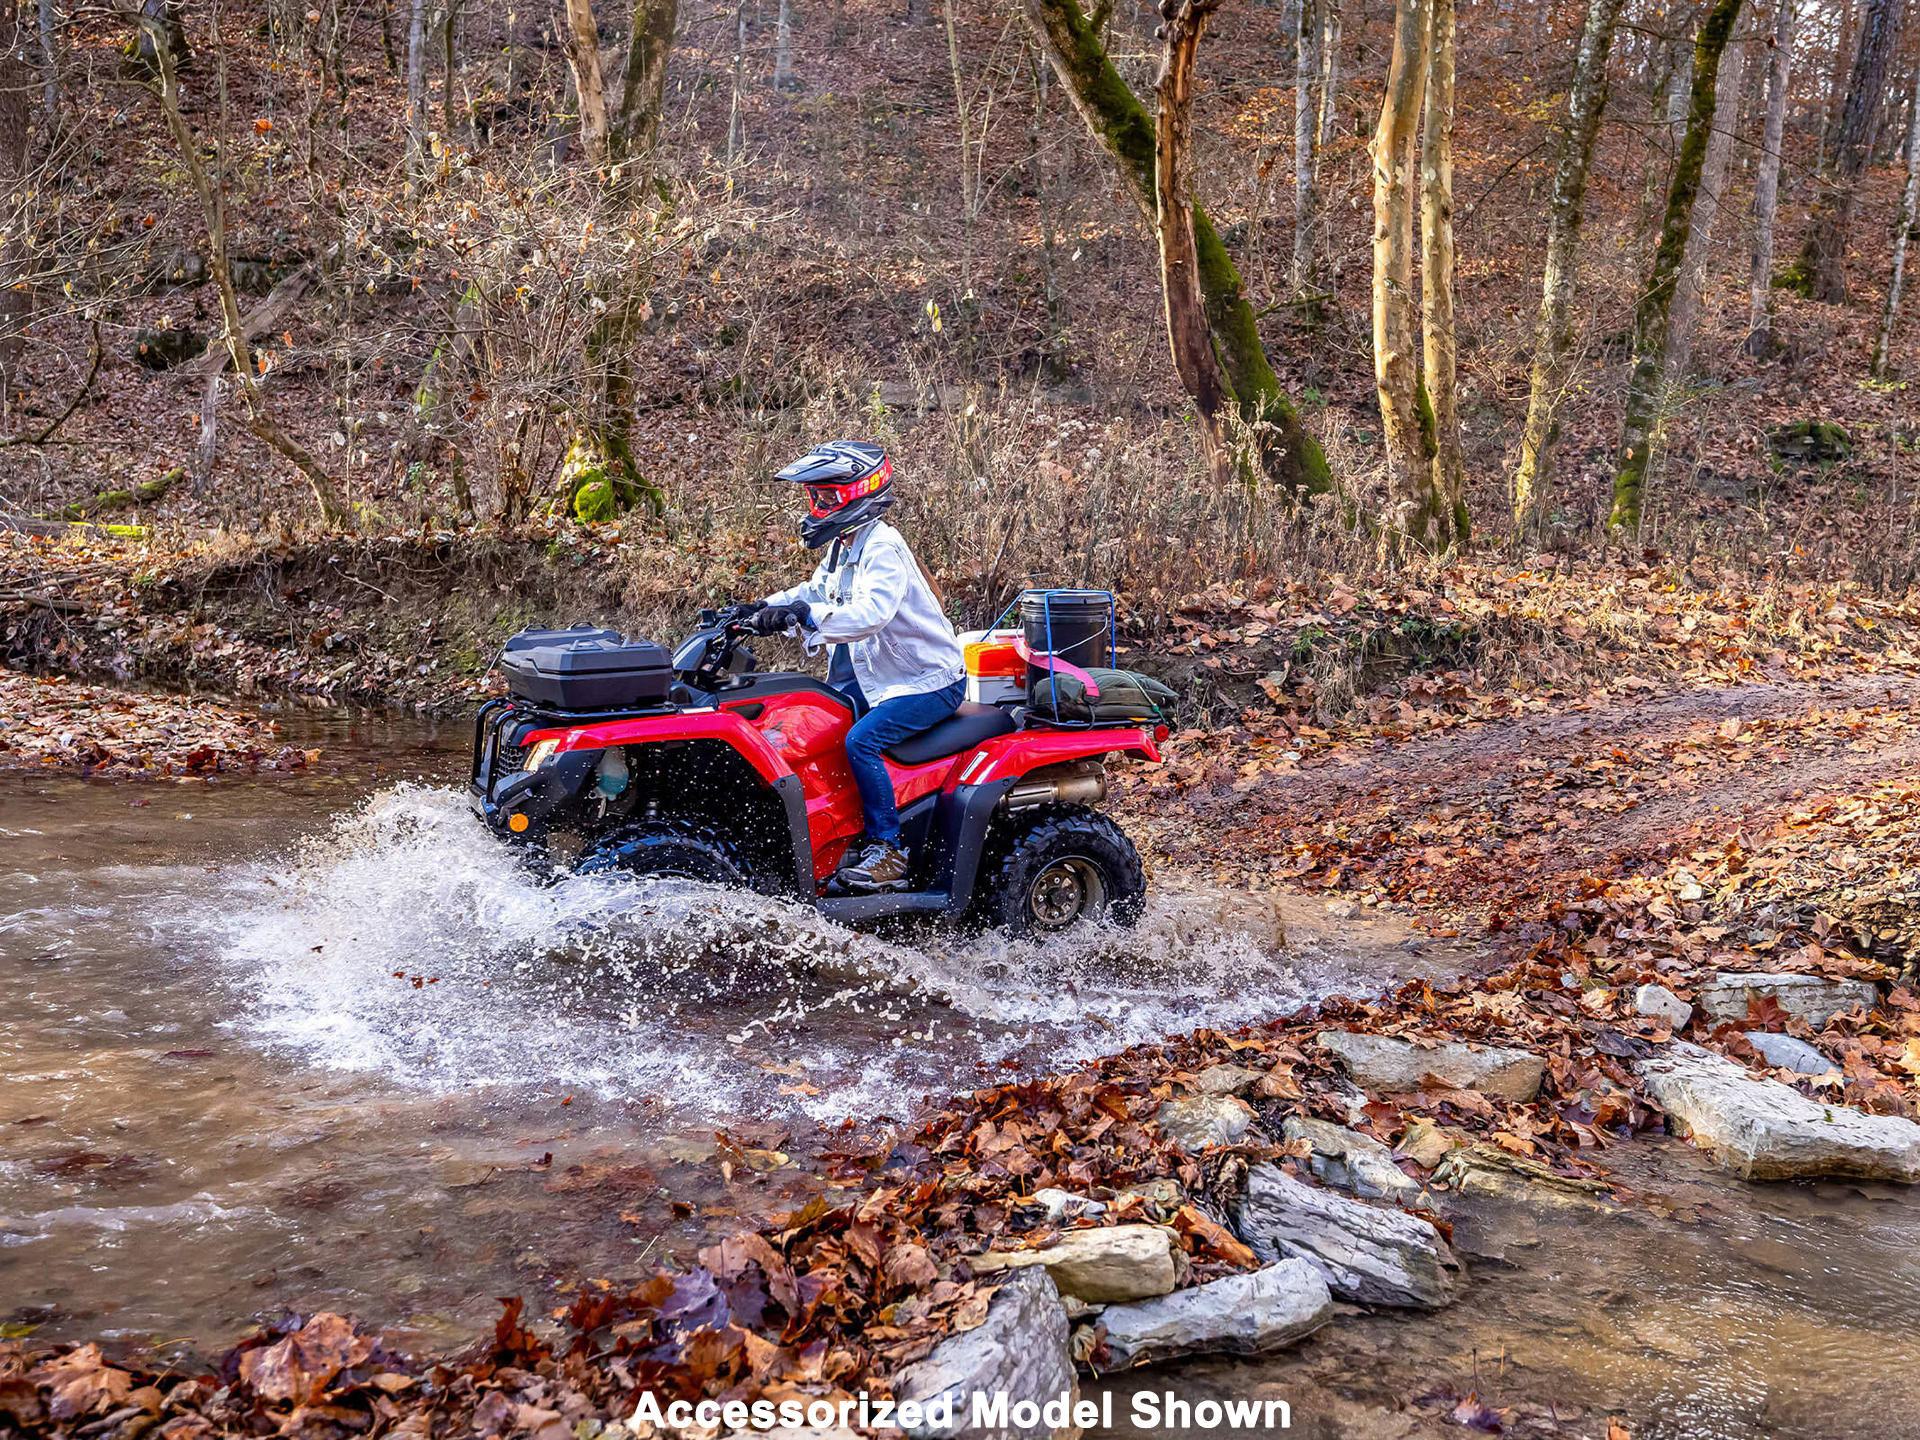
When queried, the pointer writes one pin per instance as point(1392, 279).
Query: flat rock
point(1102, 1266)
point(1202, 1120)
point(1662, 1004)
point(1812, 998)
point(1238, 1315)
point(1380, 1062)
point(1351, 1161)
point(1761, 1129)
point(1366, 1252)
point(1783, 1052)
point(1487, 1170)
point(1226, 1080)
point(1020, 1348)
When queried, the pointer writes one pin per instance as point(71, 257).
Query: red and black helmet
point(849, 482)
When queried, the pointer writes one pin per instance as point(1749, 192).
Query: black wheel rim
point(1067, 889)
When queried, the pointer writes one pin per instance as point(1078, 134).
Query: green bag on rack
point(1126, 698)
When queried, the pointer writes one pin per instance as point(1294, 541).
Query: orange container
point(994, 657)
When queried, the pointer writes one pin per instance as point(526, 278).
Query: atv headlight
point(541, 753)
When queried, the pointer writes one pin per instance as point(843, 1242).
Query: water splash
point(407, 939)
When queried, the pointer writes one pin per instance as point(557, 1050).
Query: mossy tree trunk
point(1395, 150)
point(1439, 350)
point(1553, 331)
point(1766, 182)
point(1646, 387)
point(1823, 254)
point(1287, 454)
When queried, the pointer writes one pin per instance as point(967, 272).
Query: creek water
point(319, 1042)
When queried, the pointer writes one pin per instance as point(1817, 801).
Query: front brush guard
point(537, 793)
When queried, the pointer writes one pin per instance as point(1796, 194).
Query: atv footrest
point(861, 909)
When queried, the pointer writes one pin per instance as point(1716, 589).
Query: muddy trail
point(312, 1041)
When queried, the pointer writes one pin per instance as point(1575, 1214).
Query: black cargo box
point(586, 669)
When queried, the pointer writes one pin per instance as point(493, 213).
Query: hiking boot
point(880, 866)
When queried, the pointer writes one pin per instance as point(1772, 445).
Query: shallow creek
point(318, 1042)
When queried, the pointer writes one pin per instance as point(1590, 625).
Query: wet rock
point(1108, 1265)
point(1380, 1062)
point(1490, 1171)
point(1238, 1315)
point(1366, 1252)
point(1225, 1080)
point(1662, 1004)
point(1020, 1349)
point(1783, 1052)
point(162, 347)
point(1812, 998)
point(1761, 1129)
point(1202, 1120)
point(1810, 442)
point(1352, 1161)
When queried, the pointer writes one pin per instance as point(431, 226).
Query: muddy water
point(319, 1042)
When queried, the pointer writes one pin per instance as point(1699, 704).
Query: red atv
point(609, 755)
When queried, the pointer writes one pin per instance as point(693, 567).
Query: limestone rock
point(1763, 1130)
point(1380, 1062)
point(1783, 1052)
point(1065, 1205)
point(1108, 1265)
point(1237, 1315)
point(1202, 1120)
point(1352, 1161)
point(1225, 1080)
point(1020, 1348)
point(1488, 1170)
point(1366, 1252)
point(1812, 998)
point(1164, 1195)
point(1662, 1004)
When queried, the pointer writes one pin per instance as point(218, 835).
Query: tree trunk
point(589, 83)
point(1903, 231)
point(1646, 386)
point(783, 47)
point(1306, 150)
point(161, 24)
point(1836, 97)
point(417, 88)
point(1553, 332)
point(636, 132)
point(1290, 456)
point(1766, 184)
point(1823, 255)
point(1187, 330)
point(16, 300)
point(1688, 294)
point(1395, 147)
point(449, 37)
point(1436, 283)
point(1329, 74)
point(50, 57)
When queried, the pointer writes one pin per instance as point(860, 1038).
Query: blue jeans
point(879, 726)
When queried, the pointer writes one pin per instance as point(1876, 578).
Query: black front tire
point(1052, 867)
point(668, 849)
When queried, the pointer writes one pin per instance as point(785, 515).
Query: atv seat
point(965, 728)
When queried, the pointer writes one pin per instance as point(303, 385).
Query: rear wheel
point(1053, 867)
point(676, 849)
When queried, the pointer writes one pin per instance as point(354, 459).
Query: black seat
point(967, 727)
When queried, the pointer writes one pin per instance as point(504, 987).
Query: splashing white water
point(406, 939)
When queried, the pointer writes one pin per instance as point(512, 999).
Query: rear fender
point(1008, 757)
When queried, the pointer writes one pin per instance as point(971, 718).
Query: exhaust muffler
point(1077, 782)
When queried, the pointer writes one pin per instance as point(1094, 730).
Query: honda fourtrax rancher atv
point(609, 755)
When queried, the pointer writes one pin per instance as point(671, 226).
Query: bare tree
point(16, 304)
point(1687, 294)
point(636, 130)
point(1395, 149)
point(1439, 353)
point(783, 47)
point(1306, 149)
point(1646, 385)
point(1187, 329)
point(1902, 234)
point(1822, 264)
point(1766, 184)
point(417, 87)
point(583, 58)
point(1329, 72)
point(1553, 331)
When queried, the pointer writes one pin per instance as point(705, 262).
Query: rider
point(894, 654)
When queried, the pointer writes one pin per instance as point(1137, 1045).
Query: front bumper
point(499, 788)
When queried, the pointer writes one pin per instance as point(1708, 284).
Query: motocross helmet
point(849, 482)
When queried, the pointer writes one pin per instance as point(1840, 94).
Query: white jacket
point(876, 602)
